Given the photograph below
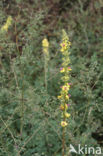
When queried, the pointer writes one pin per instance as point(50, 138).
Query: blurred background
point(29, 110)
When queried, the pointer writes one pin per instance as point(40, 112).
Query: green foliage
point(29, 113)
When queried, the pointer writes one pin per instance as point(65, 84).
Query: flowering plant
point(65, 70)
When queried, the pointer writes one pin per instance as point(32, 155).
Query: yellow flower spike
point(64, 123)
point(45, 43)
point(65, 70)
point(7, 24)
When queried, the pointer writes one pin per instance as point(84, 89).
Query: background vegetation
point(29, 111)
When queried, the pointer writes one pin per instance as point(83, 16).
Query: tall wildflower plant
point(45, 45)
point(64, 93)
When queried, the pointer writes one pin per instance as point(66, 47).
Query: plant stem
point(22, 107)
point(63, 142)
point(22, 89)
point(46, 70)
point(63, 135)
